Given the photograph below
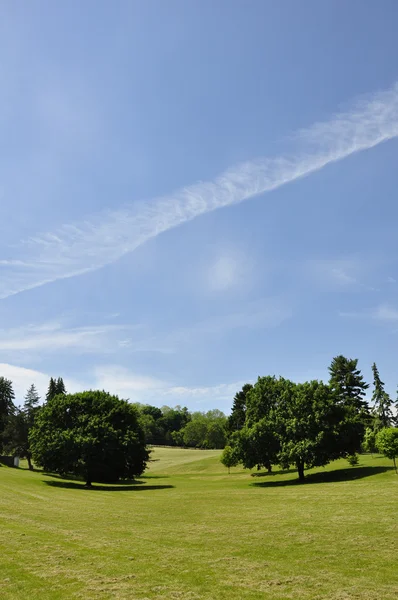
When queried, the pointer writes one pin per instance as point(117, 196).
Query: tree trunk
point(395, 465)
point(88, 485)
point(29, 459)
point(300, 469)
point(269, 468)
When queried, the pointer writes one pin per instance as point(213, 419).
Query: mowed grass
point(188, 530)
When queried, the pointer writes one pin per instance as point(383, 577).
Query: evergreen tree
point(236, 420)
point(348, 384)
point(32, 398)
point(382, 403)
point(19, 424)
point(52, 390)
point(7, 407)
point(60, 386)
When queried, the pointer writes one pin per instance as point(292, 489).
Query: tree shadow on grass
point(337, 475)
point(273, 473)
point(122, 487)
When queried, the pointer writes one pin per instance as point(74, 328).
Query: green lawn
point(188, 530)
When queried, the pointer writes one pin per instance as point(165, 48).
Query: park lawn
point(188, 530)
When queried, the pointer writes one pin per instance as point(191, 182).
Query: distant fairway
point(188, 530)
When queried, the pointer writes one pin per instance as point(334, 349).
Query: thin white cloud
point(53, 336)
point(102, 239)
point(383, 313)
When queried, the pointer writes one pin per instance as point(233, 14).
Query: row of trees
point(161, 426)
point(179, 427)
point(277, 421)
point(17, 421)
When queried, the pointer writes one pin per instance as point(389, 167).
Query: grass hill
point(187, 530)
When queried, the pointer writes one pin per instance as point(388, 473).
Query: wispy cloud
point(349, 273)
point(383, 313)
point(78, 248)
point(54, 336)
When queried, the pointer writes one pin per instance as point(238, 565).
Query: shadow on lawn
point(327, 476)
point(134, 486)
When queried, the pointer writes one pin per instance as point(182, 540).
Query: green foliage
point(52, 389)
point(348, 384)
point(237, 417)
point(19, 424)
point(387, 443)
point(304, 425)
point(369, 441)
point(353, 459)
point(205, 430)
point(229, 458)
point(382, 403)
point(7, 407)
point(92, 434)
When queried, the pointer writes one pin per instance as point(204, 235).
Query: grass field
point(188, 530)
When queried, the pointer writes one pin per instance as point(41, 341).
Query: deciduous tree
point(387, 443)
point(92, 434)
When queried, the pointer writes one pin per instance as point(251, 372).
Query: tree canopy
point(91, 434)
point(387, 443)
point(304, 425)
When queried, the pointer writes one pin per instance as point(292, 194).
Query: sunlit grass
point(189, 530)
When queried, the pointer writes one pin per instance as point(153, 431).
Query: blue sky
point(196, 193)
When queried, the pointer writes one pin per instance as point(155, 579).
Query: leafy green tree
point(7, 407)
point(304, 425)
point(229, 458)
point(91, 434)
point(194, 432)
point(369, 441)
point(237, 417)
point(216, 434)
point(348, 384)
point(258, 443)
point(387, 443)
point(311, 428)
point(382, 403)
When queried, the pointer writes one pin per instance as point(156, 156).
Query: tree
point(304, 425)
point(7, 407)
point(311, 428)
point(387, 443)
point(20, 424)
point(52, 390)
point(60, 386)
point(237, 417)
point(369, 440)
point(348, 384)
point(91, 434)
point(382, 403)
point(194, 432)
point(229, 458)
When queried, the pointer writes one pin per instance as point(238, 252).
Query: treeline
point(161, 426)
point(16, 422)
point(273, 422)
point(179, 427)
point(279, 422)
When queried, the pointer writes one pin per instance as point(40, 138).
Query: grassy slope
point(190, 531)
